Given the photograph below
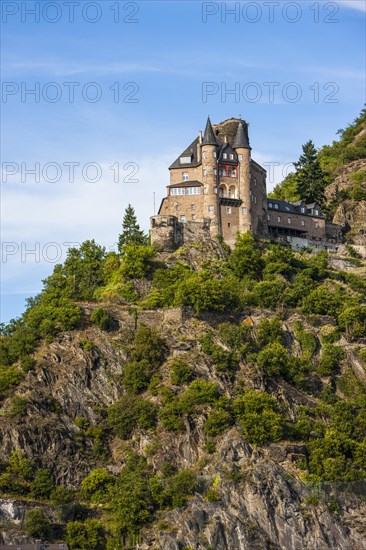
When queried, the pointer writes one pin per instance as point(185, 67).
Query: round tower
point(209, 178)
point(243, 150)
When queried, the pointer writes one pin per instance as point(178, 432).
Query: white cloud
point(359, 5)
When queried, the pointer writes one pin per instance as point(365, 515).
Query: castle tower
point(209, 178)
point(243, 150)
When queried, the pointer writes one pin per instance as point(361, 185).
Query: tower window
point(193, 216)
point(205, 172)
point(229, 224)
point(183, 219)
point(302, 222)
point(288, 220)
point(211, 208)
point(228, 210)
point(240, 157)
point(244, 211)
point(193, 206)
point(204, 155)
point(225, 155)
point(214, 154)
point(185, 176)
point(269, 218)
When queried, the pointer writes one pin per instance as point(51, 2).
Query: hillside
point(342, 181)
point(196, 399)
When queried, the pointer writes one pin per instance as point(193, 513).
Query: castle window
point(185, 176)
point(316, 212)
point(231, 156)
point(302, 222)
point(214, 154)
point(177, 207)
point(288, 220)
point(229, 224)
point(225, 155)
point(276, 206)
point(302, 210)
point(177, 191)
point(185, 160)
point(270, 205)
point(279, 219)
point(204, 155)
point(193, 206)
point(244, 211)
point(183, 219)
point(205, 172)
point(193, 191)
point(269, 218)
point(211, 208)
point(240, 157)
point(193, 216)
point(234, 173)
point(255, 199)
point(228, 210)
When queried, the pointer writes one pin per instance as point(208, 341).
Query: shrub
point(269, 294)
point(37, 525)
point(274, 359)
point(18, 406)
point(148, 346)
point(42, 484)
point(21, 466)
point(320, 301)
point(180, 372)
point(102, 318)
point(129, 413)
point(180, 486)
point(258, 417)
point(137, 375)
point(352, 321)
point(170, 416)
point(95, 484)
point(84, 536)
point(270, 331)
point(199, 392)
point(9, 379)
point(217, 422)
point(246, 260)
point(137, 261)
point(329, 360)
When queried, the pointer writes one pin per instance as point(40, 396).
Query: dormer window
point(225, 155)
point(302, 210)
point(231, 156)
point(185, 160)
point(185, 176)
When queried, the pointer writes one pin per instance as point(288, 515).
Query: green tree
point(37, 525)
point(246, 260)
point(42, 485)
point(85, 536)
point(131, 232)
point(310, 178)
point(83, 268)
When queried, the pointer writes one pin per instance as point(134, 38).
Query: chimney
point(199, 145)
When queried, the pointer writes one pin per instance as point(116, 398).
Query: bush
point(42, 485)
point(246, 260)
point(199, 392)
point(18, 406)
point(180, 487)
point(352, 321)
point(274, 359)
point(170, 416)
point(129, 413)
point(102, 318)
point(180, 372)
point(321, 301)
point(37, 525)
point(84, 536)
point(148, 346)
point(137, 261)
point(9, 379)
point(137, 376)
point(95, 485)
point(217, 422)
point(269, 294)
point(330, 359)
point(258, 416)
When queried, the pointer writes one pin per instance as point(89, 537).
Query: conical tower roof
point(209, 136)
point(241, 138)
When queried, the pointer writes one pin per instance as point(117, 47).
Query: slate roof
point(209, 136)
point(191, 151)
point(293, 207)
point(242, 137)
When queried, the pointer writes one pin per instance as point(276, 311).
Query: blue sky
point(297, 69)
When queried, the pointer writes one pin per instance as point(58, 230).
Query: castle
point(216, 187)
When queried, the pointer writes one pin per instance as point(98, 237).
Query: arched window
point(232, 192)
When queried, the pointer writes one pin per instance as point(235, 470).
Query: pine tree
point(131, 232)
point(310, 178)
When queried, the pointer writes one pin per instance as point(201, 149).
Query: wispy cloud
point(359, 5)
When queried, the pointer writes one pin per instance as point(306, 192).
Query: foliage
point(246, 260)
point(149, 346)
point(131, 232)
point(37, 525)
point(83, 270)
point(330, 359)
point(95, 485)
point(42, 485)
point(258, 417)
point(137, 375)
point(129, 413)
point(137, 261)
point(274, 359)
point(353, 321)
point(217, 422)
point(269, 294)
point(103, 319)
point(180, 372)
point(199, 392)
point(85, 535)
point(180, 486)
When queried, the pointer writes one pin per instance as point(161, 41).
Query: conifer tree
point(310, 178)
point(131, 232)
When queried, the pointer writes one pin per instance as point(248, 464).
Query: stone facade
point(216, 187)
